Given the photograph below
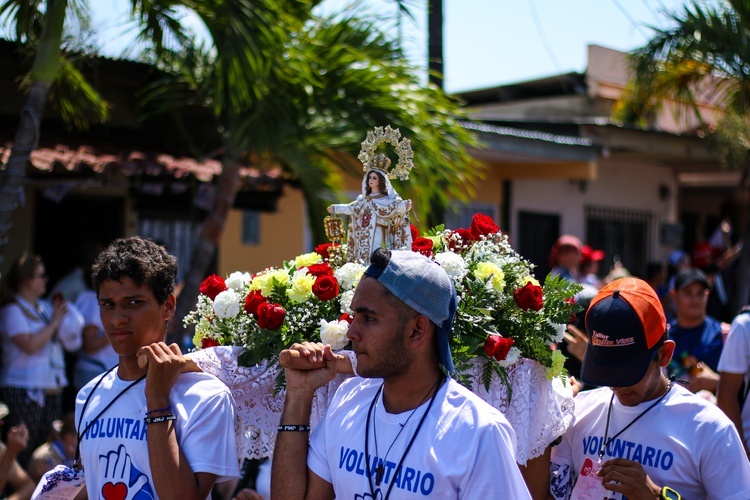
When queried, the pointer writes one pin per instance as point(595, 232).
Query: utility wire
point(542, 36)
point(630, 18)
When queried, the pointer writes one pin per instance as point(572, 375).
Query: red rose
point(212, 286)
point(465, 236)
point(346, 317)
point(482, 225)
point(253, 301)
point(571, 301)
point(529, 297)
point(414, 232)
point(209, 342)
point(270, 316)
point(323, 269)
point(497, 347)
point(423, 246)
point(322, 249)
point(325, 287)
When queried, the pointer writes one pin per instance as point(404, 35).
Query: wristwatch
point(668, 493)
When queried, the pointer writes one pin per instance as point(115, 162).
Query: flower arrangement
point(503, 313)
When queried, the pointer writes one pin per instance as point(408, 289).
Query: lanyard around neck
point(605, 441)
point(77, 463)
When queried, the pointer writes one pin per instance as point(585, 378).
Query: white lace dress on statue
point(540, 410)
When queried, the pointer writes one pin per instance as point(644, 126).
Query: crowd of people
point(659, 412)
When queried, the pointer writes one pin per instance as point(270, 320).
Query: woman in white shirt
point(34, 333)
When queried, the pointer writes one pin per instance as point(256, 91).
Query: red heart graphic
point(114, 491)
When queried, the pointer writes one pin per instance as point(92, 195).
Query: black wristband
point(293, 428)
point(158, 420)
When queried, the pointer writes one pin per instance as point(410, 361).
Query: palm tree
point(705, 56)
point(339, 77)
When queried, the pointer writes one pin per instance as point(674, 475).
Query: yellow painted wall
point(282, 237)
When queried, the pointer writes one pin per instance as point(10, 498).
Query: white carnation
point(238, 281)
point(346, 302)
point(349, 275)
point(511, 358)
point(559, 331)
point(227, 304)
point(453, 264)
point(334, 333)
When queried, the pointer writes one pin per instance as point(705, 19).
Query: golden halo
point(392, 137)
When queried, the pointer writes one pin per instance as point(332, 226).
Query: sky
point(486, 42)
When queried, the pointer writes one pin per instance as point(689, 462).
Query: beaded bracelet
point(168, 408)
point(158, 420)
point(296, 428)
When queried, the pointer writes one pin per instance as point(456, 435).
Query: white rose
point(227, 304)
point(559, 331)
point(334, 333)
point(238, 281)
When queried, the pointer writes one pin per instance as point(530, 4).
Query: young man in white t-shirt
point(640, 435)
point(401, 429)
point(734, 376)
point(146, 429)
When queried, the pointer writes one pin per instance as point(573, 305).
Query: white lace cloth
point(539, 411)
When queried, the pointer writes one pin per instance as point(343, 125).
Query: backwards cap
point(425, 287)
point(624, 321)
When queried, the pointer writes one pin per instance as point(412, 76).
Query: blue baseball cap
point(424, 286)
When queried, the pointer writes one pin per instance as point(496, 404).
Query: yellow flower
point(202, 329)
point(558, 359)
point(301, 289)
point(529, 279)
point(485, 270)
point(265, 282)
point(307, 259)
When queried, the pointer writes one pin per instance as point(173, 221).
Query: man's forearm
point(289, 471)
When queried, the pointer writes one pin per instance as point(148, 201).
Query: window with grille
point(176, 235)
point(622, 234)
point(251, 227)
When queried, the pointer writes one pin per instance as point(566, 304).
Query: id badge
point(589, 485)
point(61, 483)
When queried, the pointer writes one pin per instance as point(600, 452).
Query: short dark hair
point(142, 260)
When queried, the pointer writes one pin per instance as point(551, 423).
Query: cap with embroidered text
point(624, 321)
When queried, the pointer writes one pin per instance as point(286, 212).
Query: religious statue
point(378, 217)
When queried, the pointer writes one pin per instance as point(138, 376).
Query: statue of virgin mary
point(378, 217)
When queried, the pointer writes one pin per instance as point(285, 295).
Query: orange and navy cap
point(624, 321)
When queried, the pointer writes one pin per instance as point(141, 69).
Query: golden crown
point(370, 160)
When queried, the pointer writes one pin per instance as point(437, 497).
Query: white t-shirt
point(684, 442)
point(45, 368)
point(465, 448)
point(114, 450)
point(735, 358)
point(106, 357)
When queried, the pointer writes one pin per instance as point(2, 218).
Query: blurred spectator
point(34, 333)
point(698, 337)
point(73, 283)
point(96, 355)
point(565, 256)
point(702, 258)
point(677, 261)
point(589, 266)
point(60, 448)
point(12, 475)
point(734, 375)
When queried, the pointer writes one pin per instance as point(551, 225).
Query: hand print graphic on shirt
point(124, 481)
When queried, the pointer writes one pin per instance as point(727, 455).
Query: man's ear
point(421, 331)
point(170, 306)
point(666, 352)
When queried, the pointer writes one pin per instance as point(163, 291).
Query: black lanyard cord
point(408, 446)
point(77, 463)
point(605, 441)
